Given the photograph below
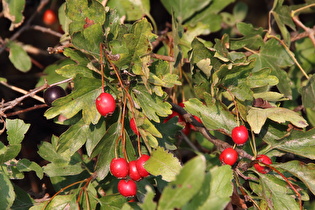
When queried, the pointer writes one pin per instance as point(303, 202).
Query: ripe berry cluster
point(129, 173)
point(229, 156)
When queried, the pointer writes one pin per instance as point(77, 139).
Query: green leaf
point(133, 10)
point(13, 10)
point(23, 200)
point(73, 139)
point(210, 12)
point(7, 195)
point(19, 57)
point(305, 172)
point(82, 98)
point(48, 152)
point(58, 202)
point(82, 9)
point(71, 70)
point(50, 76)
point(215, 191)
point(214, 116)
point(25, 165)
point(183, 9)
point(152, 105)
point(252, 37)
point(107, 143)
point(95, 135)
point(187, 183)
point(163, 163)
point(308, 93)
point(282, 16)
point(114, 202)
point(273, 55)
point(134, 47)
point(148, 202)
point(63, 169)
point(9, 152)
point(16, 130)
point(277, 193)
point(298, 142)
point(257, 117)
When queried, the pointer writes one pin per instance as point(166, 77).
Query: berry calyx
point(119, 167)
point(262, 159)
point(49, 17)
point(133, 126)
point(105, 104)
point(228, 156)
point(133, 171)
point(240, 135)
point(140, 165)
point(52, 93)
point(127, 188)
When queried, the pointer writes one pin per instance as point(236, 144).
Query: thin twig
point(10, 104)
point(46, 30)
point(26, 26)
point(221, 145)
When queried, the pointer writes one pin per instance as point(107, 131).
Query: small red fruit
point(263, 159)
point(186, 129)
point(133, 171)
point(49, 17)
point(105, 104)
point(119, 167)
point(240, 135)
point(127, 188)
point(140, 163)
point(133, 126)
point(228, 156)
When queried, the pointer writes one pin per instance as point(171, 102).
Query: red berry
point(127, 188)
point(140, 163)
point(133, 126)
point(119, 167)
point(263, 159)
point(228, 156)
point(133, 171)
point(105, 104)
point(49, 17)
point(240, 135)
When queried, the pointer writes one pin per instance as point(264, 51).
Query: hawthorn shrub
point(209, 63)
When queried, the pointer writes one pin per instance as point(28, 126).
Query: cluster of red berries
point(229, 156)
point(129, 173)
point(187, 126)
